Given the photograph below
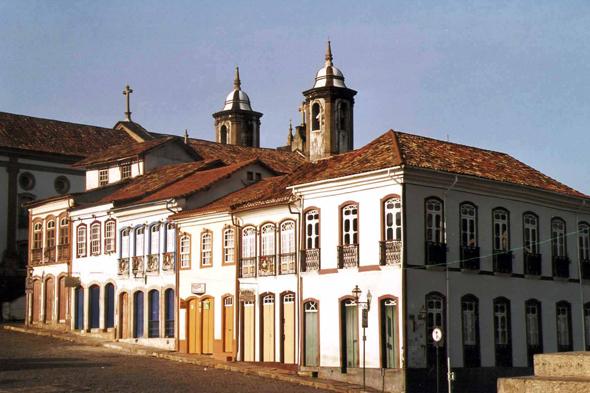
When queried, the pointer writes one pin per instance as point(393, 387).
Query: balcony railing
point(168, 263)
point(503, 262)
point(154, 328)
point(49, 254)
point(561, 267)
point(288, 263)
point(169, 328)
point(36, 255)
point(248, 267)
point(266, 266)
point(469, 258)
point(63, 252)
point(153, 264)
point(390, 252)
point(348, 256)
point(137, 266)
point(310, 260)
point(532, 264)
point(436, 254)
point(123, 267)
point(585, 263)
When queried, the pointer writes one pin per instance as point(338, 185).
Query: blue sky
point(506, 76)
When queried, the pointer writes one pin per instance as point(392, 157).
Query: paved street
point(30, 363)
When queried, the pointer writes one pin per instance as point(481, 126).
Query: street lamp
point(366, 306)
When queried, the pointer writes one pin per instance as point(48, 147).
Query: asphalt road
point(30, 363)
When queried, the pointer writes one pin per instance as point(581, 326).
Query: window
point(185, 257)
point(125, 243)
point(470, 320)
point(206, 240)
point(501, 230)
point(81, 240)
point(435, 314)
point(139, 241)
point(37, 236)
point(223, 135)
point(531, 234)
point(392, 219)
point(350, 224)
point(502, 332)
point(312, 229)
point(248, 261)
point(26, 181)
point(558, 237)
point(434, 221)
point(61, 184)
point(103, 177)
point(95, 239)
point(534, 335)
point(268, 240)
point(109, 236)
point(564, 327)
point(155, 239)
point(254, 176)
point(288, 247)
point(468, 225)
point(315, 117)
point(50, 234)
point(501, 324)
point(64, 233)
point(584, 241)
point(228, 246)
point(125, 171)
point(170, 238)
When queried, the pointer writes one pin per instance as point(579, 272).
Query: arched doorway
point(124, 315)
point(268, 328)
point(94, 307)
point(194, 322)
point(349, 332)
point(169, 313)
point(49, 299)
point(138, 314)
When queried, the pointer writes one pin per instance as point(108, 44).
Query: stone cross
point(302, 110)
point(128, 92)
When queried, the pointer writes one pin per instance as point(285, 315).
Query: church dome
point(329, 75)
point(237, 99)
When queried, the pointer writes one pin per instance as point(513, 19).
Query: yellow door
point(249, 331)
point(228, 335)
point(268, 333)
point(192, 326)
point(289, 329)
point(208, 326)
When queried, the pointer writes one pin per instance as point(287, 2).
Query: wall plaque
point(198, 288)
point(72, 282)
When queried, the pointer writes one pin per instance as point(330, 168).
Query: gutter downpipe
point(580, 277)
point(448, 312)
point(237, 255)
point(298, 269)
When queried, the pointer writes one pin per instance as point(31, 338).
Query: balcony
point(153, 264)
point(63, 252)
point(348, 256)
point(561, 267)
point(503, 262)
point(169, 328)
point(390, 252)
point(168, 264)
point(288, 263)
point(532, 264)
point(123, 267)
point(585, 265)
point(266, 267)
point(248, 267)
point(470, 258)
point(49, 255)
point(36, 255)
point(137, 267)
point(436, 255)
point(310, 260)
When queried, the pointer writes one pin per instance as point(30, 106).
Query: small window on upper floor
point(185, 252)
point(64, 231)
point(228, 246)
point(37, 236)
point(253, 176)
point(206, 245)
point(109, 236)
point(61, 184)
point(95, 239)
point(103, 177)
point(125, 171)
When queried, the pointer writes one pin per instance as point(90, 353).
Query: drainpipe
point(298, 270)
point(448, 303)
point(580, 276)
point(167, 208)
point(237, 255)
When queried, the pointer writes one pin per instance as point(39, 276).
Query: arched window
point(64, 231)
point(312, 229)
point(435, 318)
point(170, 237)
point(50, 234)
point(169, 313)
point(185, 252)
point(468, 225)
point(268, 239)
point(81, 240)
point(434, 221)
point(228, 245)
point(155, 239)
point(558, 237)
point(109, 236)
point(531, 234)
point(564, 327)
point(350, 224)
point(125, 243)
point(288, 247)
point(206, 245)
point(139, 238)
point(37, 236)
point(95, 238)
point(501, 230)
point(584, 241)
point(315, 117)
point(248, 262)
point(223, 135)
point(534, 332)
point(392, 219)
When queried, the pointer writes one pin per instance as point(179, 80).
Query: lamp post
point(366, 306)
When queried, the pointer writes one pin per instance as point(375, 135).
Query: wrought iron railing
point(348, 256)
point(469, 257)
point(36, 255)
point(532, 264)
point(288, 263)
point(63, 252)
point(153, 264)
point(123, 267)
point(169, 328)
point(561, 267)
point(168, 263)
point(137, 266)
point(310, 260)
point(436, 254)
point(390, 252)
point(153, 329)
point(266, 266)
point(503, 262)
point(248, 267)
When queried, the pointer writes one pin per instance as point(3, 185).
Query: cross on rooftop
point(127, 92)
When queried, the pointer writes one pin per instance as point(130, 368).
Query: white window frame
point(125, 171)
point(103, 177)
point(229, 236)
point(170, 238)
point(532, 324)
point(468, 225)
point(125, 243)
point(434, 221)
point(312, 226)
point(81, 240)
point(50, 234)
point(267, 240)
point(95, 238)
point(563, 326)
point(64, 229)
point(139, 241)
point(155, 239)
point(37, 236)
point(584, 241)
point(501, 219)
point(185, 250)
point(392, 219)
point(558, 237)
point(350, 229)
point(531, 234)
point(206, 246)
point(109, 236)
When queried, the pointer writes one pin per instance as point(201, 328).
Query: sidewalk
point(201, 360)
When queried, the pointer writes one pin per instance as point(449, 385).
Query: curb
point(281, 375)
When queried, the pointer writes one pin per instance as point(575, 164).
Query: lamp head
point(369, 298)
point(356, 293)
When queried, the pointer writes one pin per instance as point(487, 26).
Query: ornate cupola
point(237, 123)
point(329, 110)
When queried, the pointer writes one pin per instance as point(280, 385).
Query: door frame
point(282, 326)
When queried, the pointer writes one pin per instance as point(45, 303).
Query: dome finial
point(329, 55)
point(237, 82)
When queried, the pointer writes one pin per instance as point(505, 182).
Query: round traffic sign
point(436, 334)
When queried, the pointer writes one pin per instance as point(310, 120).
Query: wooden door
point(62, 296)
point(124, 315)
point(49, 299)
point(228, 327)
point(249, 331)
point(37, 301)
point(288, 329)
point(208, 326)
point(388, 333)
point(268, 329)
point(311, 334)
point(192, 326)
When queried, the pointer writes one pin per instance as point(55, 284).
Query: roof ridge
point(453, 143)
point(59, 121)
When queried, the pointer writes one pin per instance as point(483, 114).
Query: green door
point(388, 333)
point(311, 334)
point(350, 339)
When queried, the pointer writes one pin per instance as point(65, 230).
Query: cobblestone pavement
point(30, 363)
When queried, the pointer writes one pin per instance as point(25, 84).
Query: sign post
point(437, 336)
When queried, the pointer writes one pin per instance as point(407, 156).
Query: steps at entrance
point(567, 372)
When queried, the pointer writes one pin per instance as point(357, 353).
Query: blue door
point(138, 312)
point(110, 305)
point(154, 317)
point(169, 322)
point(94, 307)
point(79, 308)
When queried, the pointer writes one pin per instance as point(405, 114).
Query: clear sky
point(508, 76)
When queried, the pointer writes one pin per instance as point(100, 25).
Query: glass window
point(95, 239)
point(288, 237)
point(248, 242)
point(469, 308)
point(64, 233)
point(206, 240)
point(392, 219)
point(185, 252)
point(531, 234)
point(268, 240)
point(533, 324)
point(103, 177)
point(434, 225)
point(170, 238)
point(139, 241)
point(50, 234)
point(468, 225)
point(109, 233)
point(584, 241)
point(82, 240)
point(350, 224)
point(558, 237)
point(502, 333)
point(312, 229)
point(155, 239)
point(563, 326)
point(126, 171)
point(125, 243)
point(501, 230)
point(228, 246)
point(37, 236)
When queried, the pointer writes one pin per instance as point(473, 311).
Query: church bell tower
point(329, 111)
point(237, 123)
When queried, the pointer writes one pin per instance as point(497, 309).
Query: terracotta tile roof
point(280, 161)
point(129, 150)
point(59, 137)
